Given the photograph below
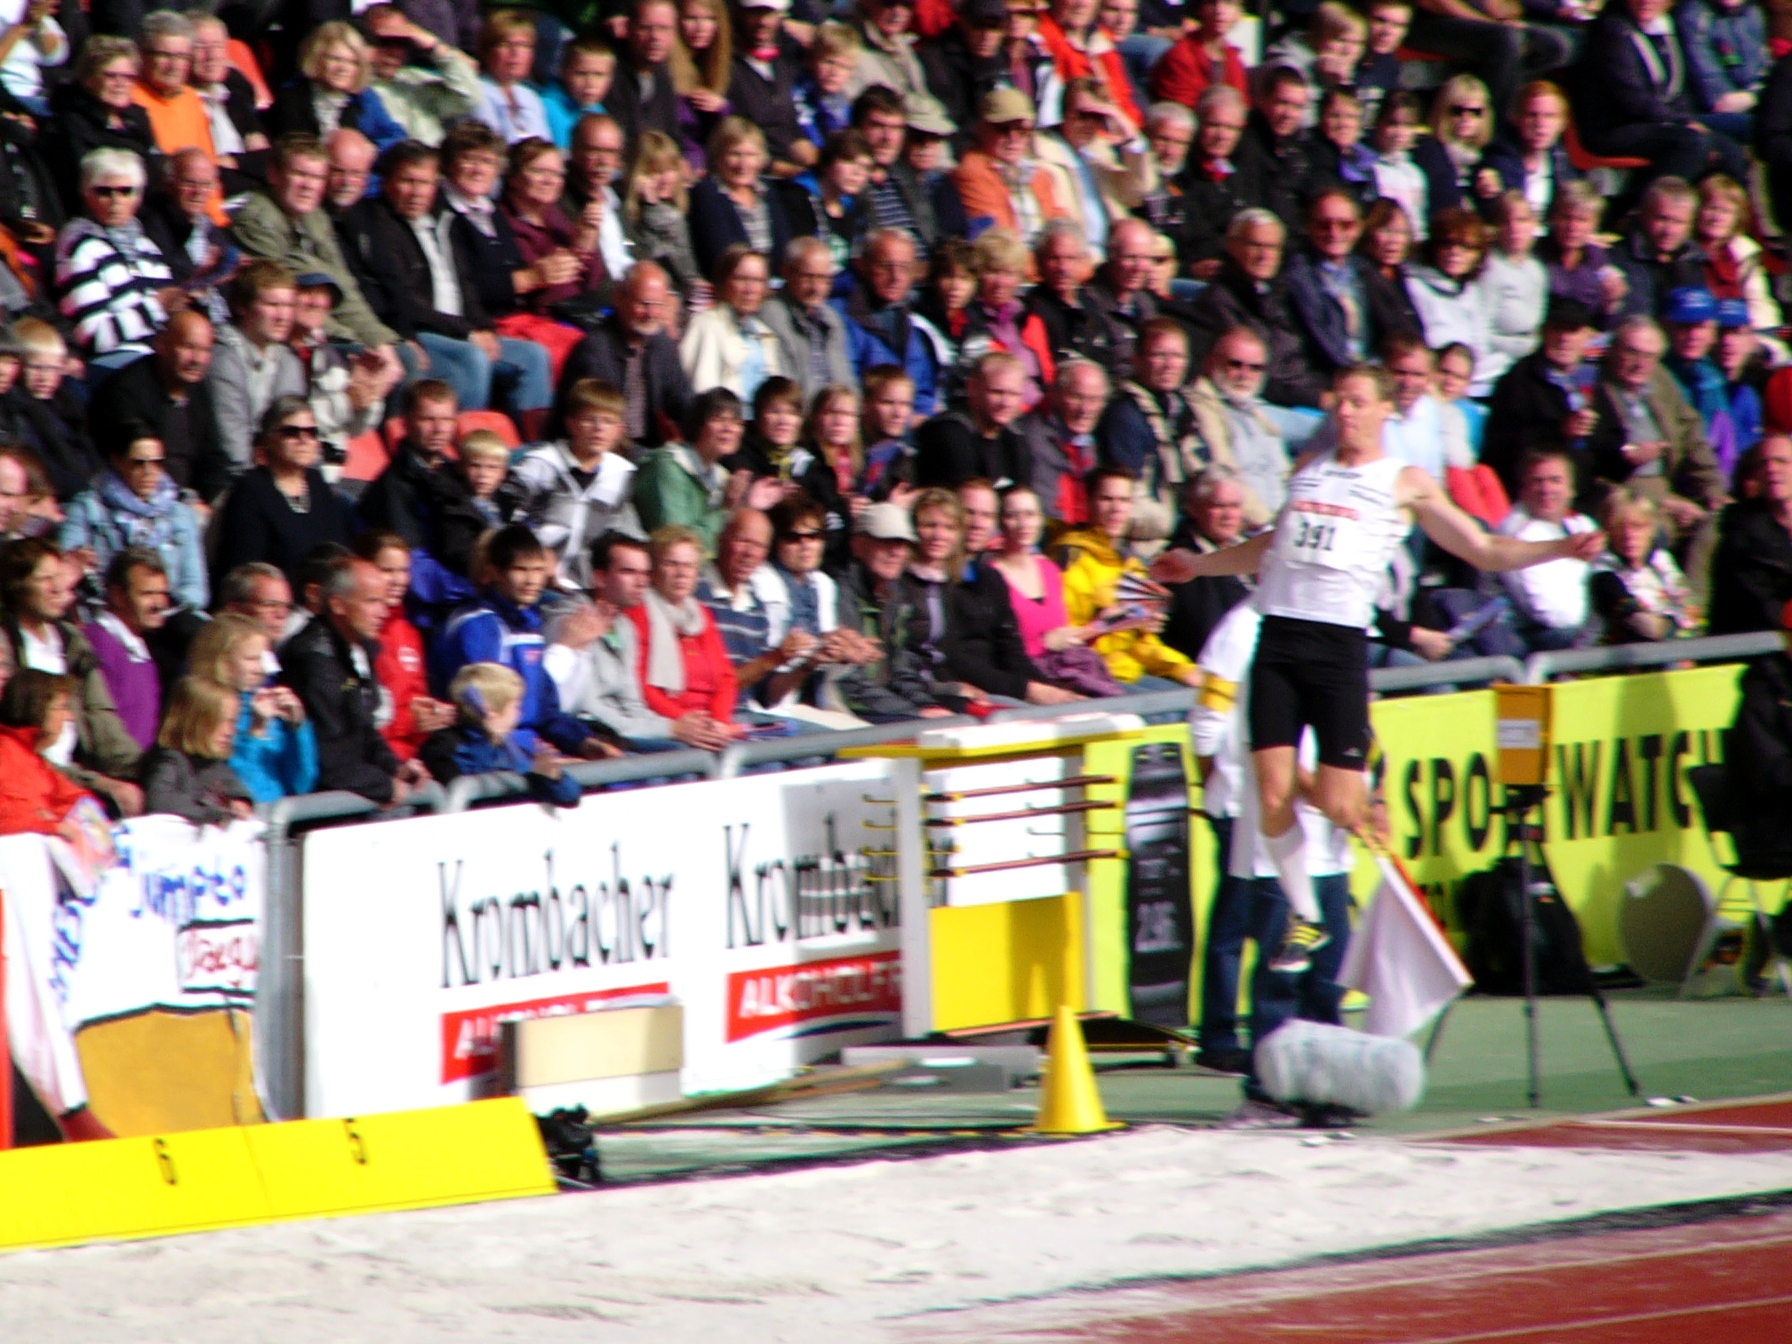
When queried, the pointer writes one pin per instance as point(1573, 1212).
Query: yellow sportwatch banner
point(1618, 797)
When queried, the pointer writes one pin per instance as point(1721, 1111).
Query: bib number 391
point(1315, 538)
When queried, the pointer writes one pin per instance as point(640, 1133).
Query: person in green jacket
point(686, 483)
point(287, 224)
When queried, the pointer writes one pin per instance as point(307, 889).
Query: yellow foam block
point(614, 1043)
point(401, 1159)
point(124, 1188)
point(204, 1179)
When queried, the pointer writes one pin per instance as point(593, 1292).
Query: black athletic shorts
point(1311, 674)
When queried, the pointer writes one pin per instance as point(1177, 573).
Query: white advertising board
point(766, 905)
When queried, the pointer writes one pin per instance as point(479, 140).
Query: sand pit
point(857, 1252)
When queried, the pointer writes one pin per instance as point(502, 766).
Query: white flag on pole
point(1401, 960)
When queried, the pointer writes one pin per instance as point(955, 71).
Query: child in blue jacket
point(490, 699)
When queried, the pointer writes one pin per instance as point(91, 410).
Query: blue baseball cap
point(1690, 303)
point(1732, 314)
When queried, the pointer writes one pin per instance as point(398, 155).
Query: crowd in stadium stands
point(407, 391)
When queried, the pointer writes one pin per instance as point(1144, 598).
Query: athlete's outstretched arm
point(1466, 539)
point(1180, 566)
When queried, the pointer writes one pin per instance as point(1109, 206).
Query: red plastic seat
point(1586, 161)
point(496, 421)
point(367, 457)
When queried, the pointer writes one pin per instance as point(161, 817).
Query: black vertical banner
point(1160, 917)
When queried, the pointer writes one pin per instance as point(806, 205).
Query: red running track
point(1725, 1127)
point(1720, 1281)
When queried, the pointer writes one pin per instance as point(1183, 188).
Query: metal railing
point(1177, 700)
point(740, 756)
point(1456, 672)
point(502, 785)
point(1540, 667)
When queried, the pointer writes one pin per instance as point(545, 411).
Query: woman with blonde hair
point(733, 205)
point(1635, 588)
point(275, 750)
point(1462, 126)
point(1735, 266)
point(655, 203)
point(187, 773)
point(702, 65)
point(332, 93)
point(508, 104)
point(997, 319)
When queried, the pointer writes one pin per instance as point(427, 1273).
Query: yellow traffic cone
point(1069, 1101)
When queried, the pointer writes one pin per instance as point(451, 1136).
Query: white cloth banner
point(1401, 960)
point(175, 923)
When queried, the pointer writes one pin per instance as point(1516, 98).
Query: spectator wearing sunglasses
point(278, 511)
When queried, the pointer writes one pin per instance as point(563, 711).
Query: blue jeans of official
point(1228, 925)
point(522, 370)
point(1315, 993)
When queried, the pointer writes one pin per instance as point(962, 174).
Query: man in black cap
point(347, 393)
point(1545, 399)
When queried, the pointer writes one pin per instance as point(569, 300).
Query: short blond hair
point(594, 394)
point(732, 131)
point(487, 445)
point(1000, 249)
point(835, 39)
point(660, 544)
point(479, 689)
point(38, 337)
point(1627, 500)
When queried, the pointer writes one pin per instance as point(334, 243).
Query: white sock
point(1288, 851)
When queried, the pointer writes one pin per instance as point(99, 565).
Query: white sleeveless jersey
point(1333, 542)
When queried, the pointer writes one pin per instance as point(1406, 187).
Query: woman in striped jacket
point(114, 284)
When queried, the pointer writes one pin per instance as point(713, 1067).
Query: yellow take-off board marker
point(120, 1189)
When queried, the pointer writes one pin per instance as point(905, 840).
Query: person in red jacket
point(1081, 49)
point(399, 669)
point(1202, 58)
point(683, 664)
point(35, 796)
